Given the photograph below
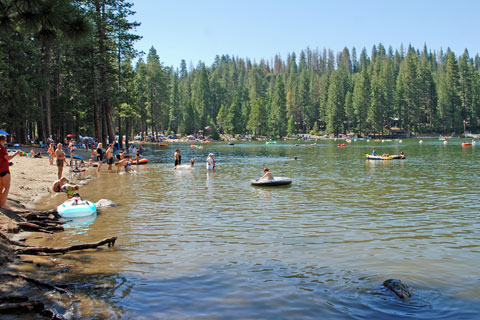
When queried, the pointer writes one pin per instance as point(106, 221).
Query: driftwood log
point(37, 283)
point(21, 304)
point(36, 250)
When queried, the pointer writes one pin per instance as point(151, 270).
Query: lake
point(194, 244)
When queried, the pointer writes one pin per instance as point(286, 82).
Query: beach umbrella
point(5, 133)
point(71, 135)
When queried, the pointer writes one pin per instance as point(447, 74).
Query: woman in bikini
point(5, 172)
point(51, 153)
point(60, 155)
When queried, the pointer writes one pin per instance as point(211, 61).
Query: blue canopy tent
point(5, 133)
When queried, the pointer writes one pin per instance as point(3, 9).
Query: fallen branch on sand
point(12, 242)
point(37, 250)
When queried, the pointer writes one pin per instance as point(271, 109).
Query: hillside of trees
point(70, 67)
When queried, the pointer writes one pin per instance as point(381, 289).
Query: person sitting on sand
point(268, 175)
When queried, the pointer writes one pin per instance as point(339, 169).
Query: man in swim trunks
point(5, 172)
point(109, 153)
point(177, 157)
point(60, 155)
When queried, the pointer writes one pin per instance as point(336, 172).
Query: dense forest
point(70, 67)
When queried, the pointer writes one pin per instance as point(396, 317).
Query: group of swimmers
point(177, 157)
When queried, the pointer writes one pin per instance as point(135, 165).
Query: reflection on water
point(198, 244)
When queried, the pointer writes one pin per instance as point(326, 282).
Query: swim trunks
point(59, 163)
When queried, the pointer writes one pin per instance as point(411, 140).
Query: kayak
point(141, 161)
point(72, 209)
point(277, 181)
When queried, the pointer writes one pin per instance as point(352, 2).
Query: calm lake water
point(198, 245)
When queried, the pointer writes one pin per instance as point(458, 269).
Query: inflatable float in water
point(277, 181)
point(76, 209)
point(141, 161)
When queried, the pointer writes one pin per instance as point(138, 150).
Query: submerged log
point(399, 288)
point(36, 250)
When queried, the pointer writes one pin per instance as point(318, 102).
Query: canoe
point(71, 209)
point(141, 161)
point(277, 181)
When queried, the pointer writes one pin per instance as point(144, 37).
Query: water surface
point(208, 245)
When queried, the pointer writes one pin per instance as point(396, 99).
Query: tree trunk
point(106, 105)
point(47, 96)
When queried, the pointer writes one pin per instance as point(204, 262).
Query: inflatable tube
point(141, 161)
point(271, 142)
point(231, 144)
point(341, 145)
point(277, 181)
point(83, 208)
point(163, 144)
point(465, 144)
point(372, 157)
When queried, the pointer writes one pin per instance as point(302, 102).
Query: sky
point(200, 30)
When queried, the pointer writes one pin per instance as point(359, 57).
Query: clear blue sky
point(200, 30)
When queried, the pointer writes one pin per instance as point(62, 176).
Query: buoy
point(421, 141)
point(400, 141)
point(445, 142)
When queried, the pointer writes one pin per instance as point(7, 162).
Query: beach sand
point(31, 178)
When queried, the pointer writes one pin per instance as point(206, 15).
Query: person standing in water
point(99, 156)
point(210, 162)
point(109, 154)
point(177, 157)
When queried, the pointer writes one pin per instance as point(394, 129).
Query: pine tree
point(336, 103)
point(279, 111)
